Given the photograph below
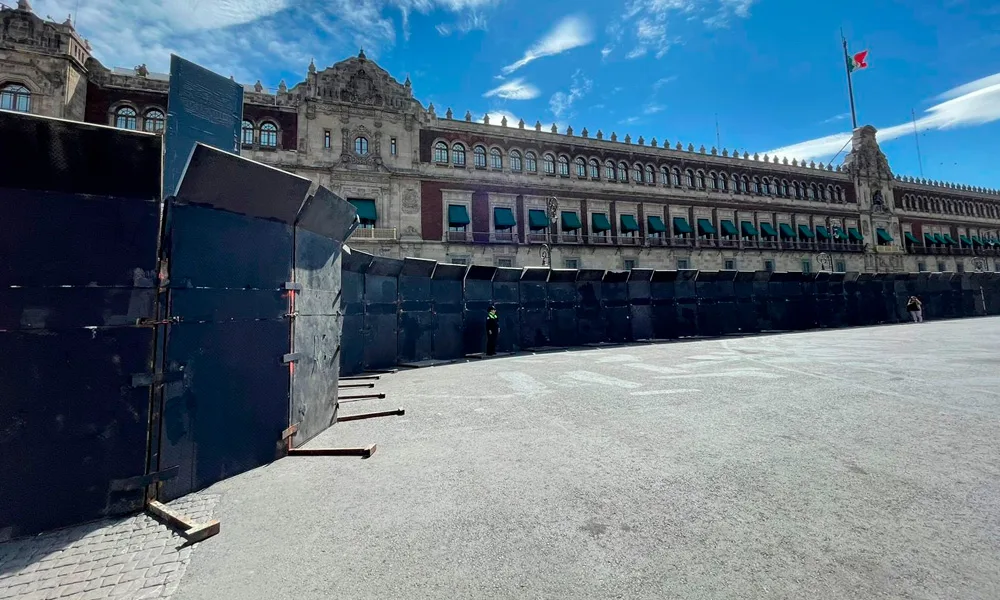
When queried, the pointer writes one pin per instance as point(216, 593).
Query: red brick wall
point(431, 210)
point(480, 217)
point(286, 120)
point(100, 101)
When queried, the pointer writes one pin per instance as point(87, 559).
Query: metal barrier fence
point(408, 311)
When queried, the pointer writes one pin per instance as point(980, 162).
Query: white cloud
point(561, 102)
point(664, 81)
point(637, 52)
point(515, 89)
point(975, 103)
point(648, 20)
point(836, 118)
point(605, 51)
point(652, 109)
point(571, 32)
point(472, 21)
point(497, 116)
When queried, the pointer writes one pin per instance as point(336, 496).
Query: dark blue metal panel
point(615, 306)
point(381, 313)
point(640, 303)
point(446, 290)
point(563, 301)
point(478, 295)
point(416, 315)
point(201, 107)
point(762, 299)
point(852, 299)
point(532, 289)
point(507, 300)
point(687, 302)
point(745, 308)
point(838, 300)
point(664, 299)
point(352, 350)
point(591, 320)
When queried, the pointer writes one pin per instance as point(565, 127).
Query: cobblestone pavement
point(130, 559)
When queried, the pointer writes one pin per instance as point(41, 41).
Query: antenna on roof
point(916, 139)
point(76, 12)
point(718, 139)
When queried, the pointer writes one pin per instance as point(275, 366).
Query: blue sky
point(771, 70)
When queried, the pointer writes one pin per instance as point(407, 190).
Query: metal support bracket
point(293, 285)
point(146, 380)
point(291, 357)
point(141, 481)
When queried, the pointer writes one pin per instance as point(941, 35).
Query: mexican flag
point(857, 62)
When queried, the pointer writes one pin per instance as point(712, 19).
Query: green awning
point(571, 221)
point(822, 232)
point(503, 218)
point(748, 229)
point(537, 219)
point(911, 238)
point(930, 238)
point(805, 232)
point(599, 222)
point(991, 241)
point(838, 234)
point(976, 240)
point(949, 240)
point(628, 224)
point(767, 230)
point(656, 224)
point(786, 231)
point(681, 225)
point(965, 240)
point(458, 215)
point(366, 210)
point(728, 228)
point(705, 227)
point(855, 235)
point(883, 235)
point(938, 239)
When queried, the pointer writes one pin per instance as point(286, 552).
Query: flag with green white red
point(857, 62)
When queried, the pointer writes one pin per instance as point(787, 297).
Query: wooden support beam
point(363, 452)
point(360, 377)
point(364, 397)
point(189, 530)
point(344, 386)
point(372, 415)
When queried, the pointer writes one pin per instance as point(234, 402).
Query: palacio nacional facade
point(451, 186)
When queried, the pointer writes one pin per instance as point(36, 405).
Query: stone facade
point(357, 130)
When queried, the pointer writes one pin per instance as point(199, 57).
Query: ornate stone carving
point(411, 203)
point(468, 116)
point(866, 160)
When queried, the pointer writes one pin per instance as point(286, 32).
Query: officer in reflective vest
point(492, 330)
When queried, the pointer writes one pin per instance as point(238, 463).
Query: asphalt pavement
point(851, 463)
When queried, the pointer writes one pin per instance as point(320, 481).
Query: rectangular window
point(841, 266)
point(327, 139)
point(729, 265)
point(505, 262)
point(392, 146)
point(458, 260)
point(628, 264)
point(571, 263)
point(683, 263)
point(807, 266)
point(922, 267)
point(941, 267)
point(769, 266)
point(960, 267)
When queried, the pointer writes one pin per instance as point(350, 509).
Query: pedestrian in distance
point(492, 331)
point(915, 308)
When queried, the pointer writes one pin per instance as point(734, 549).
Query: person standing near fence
point(915, 308)
point(492, 331)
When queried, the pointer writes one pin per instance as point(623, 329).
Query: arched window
point(723, 182)
point(715, 181)
point(531, 163)
point(125, 118)
point(595, 169)
point(736, 184)
point(827, 192)
point(440, 152)
point(16, 97)
point(756, 186)
point(458, 155)
point(361, 146)
point(840, 194)
point(581, 167)
point(677, 177)
point(784, 189)
point(701, 180)
point(623, 172)
point(813, 195)
point(269, 136)
point(153, 121)
point(496, 159)
point(765, 184)
point(745, 185)
point(549, 164)
point(798, 190)
point(563, 166)
point(690, 178)
point(479, 157)
point(247, 133)
point(664, 176)
point(609, 171)
point(515, 161)
point(637, 173)
point(649, 175)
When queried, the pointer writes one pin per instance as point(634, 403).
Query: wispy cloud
point(497, 117)
point(662, 81)
point(472, 21)
point(652, 109)
point(572, 32)
point(637, 52)
point(836, 118)
point(515, 89)
point(648, 21)
point(242, 37)
point(561, 102)
point(975, 103)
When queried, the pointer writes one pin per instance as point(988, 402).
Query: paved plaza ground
point(852, 463)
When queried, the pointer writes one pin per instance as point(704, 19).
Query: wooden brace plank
point(372, 415)
point(363, 452)
point(364, 397)
point(355, 385)
point(191, 531)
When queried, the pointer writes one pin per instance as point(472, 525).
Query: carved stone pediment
point(866, 160)
point(361, 82)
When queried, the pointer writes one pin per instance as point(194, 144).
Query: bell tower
point(873, 185)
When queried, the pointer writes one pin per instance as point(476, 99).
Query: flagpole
point(850, 84)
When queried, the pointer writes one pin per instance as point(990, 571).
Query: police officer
point(492, 330)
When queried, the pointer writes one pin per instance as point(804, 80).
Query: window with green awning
point(883, 236)
point(571, 221)
point(503, 218)
point(537, 219)
point(729, 229)
point(976, 240)
point(930, 238)
point(681, 225)
point(938, 239)
point(839, 234)
point(366, 210)
point(458, 215)
point(786, 231)
point(705, 227)
point(911, 238)
point(822, 232)
point(855, 235)
point(656, 224)
point(748, 229)
point(599, 223)
point(949, 240)
point(628, 224)
point(768, 230)
point(965, 241)
point(806, 232)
